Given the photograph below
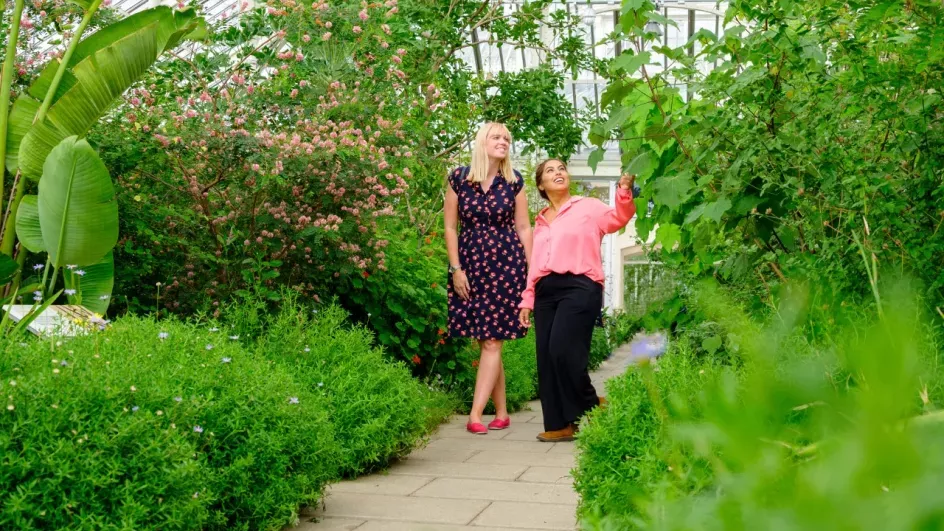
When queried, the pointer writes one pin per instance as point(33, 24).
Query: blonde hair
point(478, 170)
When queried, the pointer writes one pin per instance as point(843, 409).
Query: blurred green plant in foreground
point(777, 432)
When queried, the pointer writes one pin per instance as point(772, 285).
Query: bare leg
point(490, 366)
point(498, 394)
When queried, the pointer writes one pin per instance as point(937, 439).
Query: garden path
point(501, 481)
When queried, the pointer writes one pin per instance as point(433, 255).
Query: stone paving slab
point(528, 516)
point(502, 481)
point(439, 469)
point(494, 490)
point(393, 485)
point(557, 475)
point(403, 508)
point(377, 525)
point(488, 457)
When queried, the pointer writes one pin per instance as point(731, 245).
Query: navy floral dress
point(492, 256)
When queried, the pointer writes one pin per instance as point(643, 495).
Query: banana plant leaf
point(78, 212)
point(94, 286)
point(102, 67)
point(28, 230)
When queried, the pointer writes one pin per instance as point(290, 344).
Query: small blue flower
point(198, 429)
point(320, 384)
point(80, 272)
point(135, 409)
point(104, 297)
point(70, 267)
point(293, 400)
point(64, 363)
point(214, 329)
point(69, 292)
point(234, 338)
point(163, 335)
point(227, 360)
point(209, 347)
point(178, 399)
point(37, 267)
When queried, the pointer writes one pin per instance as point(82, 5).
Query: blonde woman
point(488, 238)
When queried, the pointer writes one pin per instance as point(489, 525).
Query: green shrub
point(521, 374)
point(406, 305)
point(378, 409)
point(623, 452)
point(841, 433)
point(122, 429)
point(600, 348)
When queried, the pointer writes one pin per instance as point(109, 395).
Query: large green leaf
point(76, 187)
point(102, 67)
point(20, 120)
point(8, 269)
point(93, 288)
point(173, 26)
point(28, 230)
point(673, 190)
point(100, 79)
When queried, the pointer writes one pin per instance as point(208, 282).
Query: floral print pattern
point(492, 256)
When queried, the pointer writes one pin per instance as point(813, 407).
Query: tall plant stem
point(9, 230)
point(5, 84)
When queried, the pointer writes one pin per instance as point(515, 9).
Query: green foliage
point(819, 121)
point(533, 104)
point(785, 433)
point(623, 457)
point(151, 432)
point(521, 374)
point(405, 304)
point(184, 426)
point(379, 411)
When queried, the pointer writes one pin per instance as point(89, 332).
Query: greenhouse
point(484, 264)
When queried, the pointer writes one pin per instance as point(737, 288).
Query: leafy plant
point(766, 147)
point(74, 218)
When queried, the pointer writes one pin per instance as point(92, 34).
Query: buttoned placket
point(549, 225)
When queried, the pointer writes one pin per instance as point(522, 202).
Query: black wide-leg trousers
point(565, 309)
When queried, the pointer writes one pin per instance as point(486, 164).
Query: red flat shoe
point(477, 428)
point(499, 424)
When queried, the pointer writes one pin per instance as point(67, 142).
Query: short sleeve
point(518, 185)
point(455, 179)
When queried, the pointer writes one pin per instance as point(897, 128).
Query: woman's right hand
point(460, 282)
point(524, 316)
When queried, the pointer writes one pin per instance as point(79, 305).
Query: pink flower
point(328, 25)
point(306, 37)
point(357, 29)
point(326, 36)
point(363, 14)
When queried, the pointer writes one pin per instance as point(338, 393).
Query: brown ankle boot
point(602, 401)
point(564, 435)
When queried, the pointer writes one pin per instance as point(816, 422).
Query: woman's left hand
point(626, 181)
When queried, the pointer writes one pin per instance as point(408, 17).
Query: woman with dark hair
point(565, 292)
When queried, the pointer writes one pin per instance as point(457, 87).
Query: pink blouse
point(571, 243)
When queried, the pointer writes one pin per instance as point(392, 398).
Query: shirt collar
point(570, 202)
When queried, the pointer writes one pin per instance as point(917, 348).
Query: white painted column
point(608, 291)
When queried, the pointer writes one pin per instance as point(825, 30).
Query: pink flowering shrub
point(257, 178)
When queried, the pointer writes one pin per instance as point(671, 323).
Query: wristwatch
point(453, 269)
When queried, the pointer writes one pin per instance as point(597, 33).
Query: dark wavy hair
point(539, 175)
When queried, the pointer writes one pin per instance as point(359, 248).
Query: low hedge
point(378, 409)
point(169, 425)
